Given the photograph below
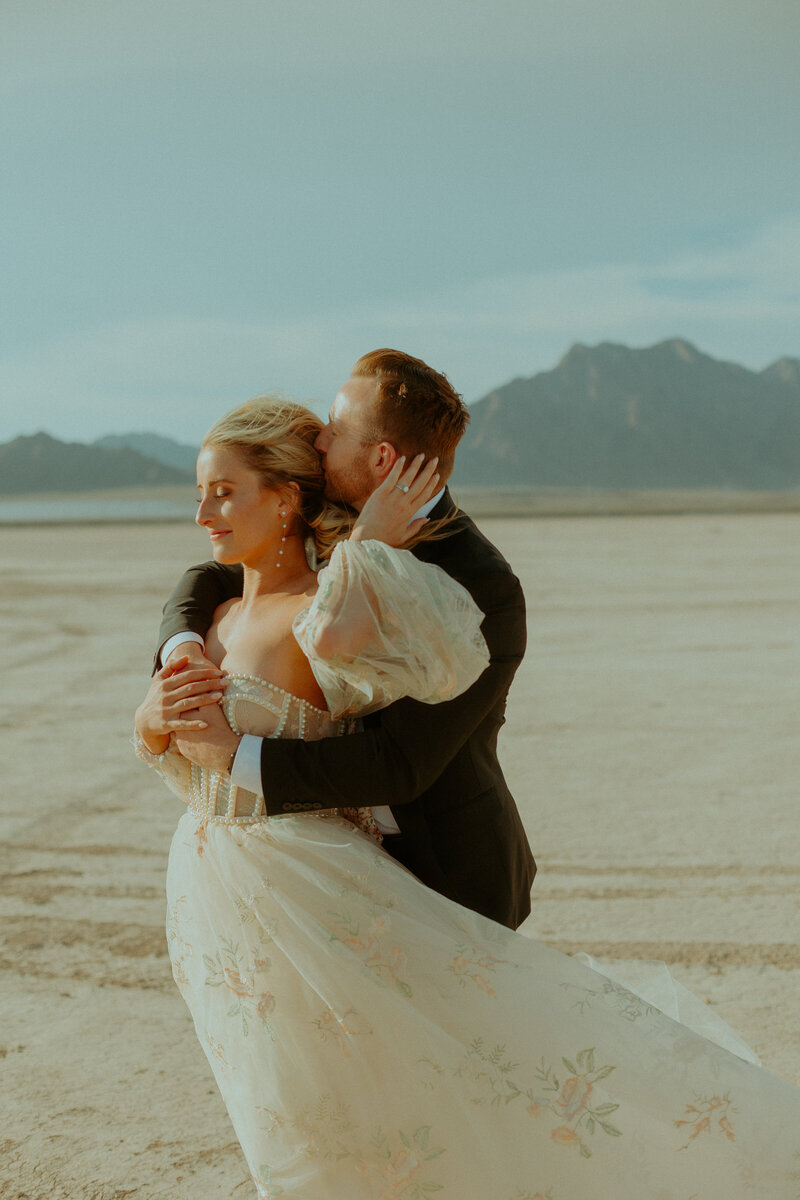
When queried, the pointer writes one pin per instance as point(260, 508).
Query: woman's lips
point(219, 533)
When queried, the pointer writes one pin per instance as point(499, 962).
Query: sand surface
point(652, 742)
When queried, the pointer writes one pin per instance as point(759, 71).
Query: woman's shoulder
point(226, 609)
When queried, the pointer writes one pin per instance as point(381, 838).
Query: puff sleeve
point(384, 625)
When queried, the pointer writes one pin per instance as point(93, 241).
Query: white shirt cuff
point(246, 773)
point(176, 640)
point(246, 769)
point(384, 819)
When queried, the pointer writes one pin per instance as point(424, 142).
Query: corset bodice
point(253, 705)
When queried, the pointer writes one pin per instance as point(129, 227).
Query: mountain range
point(607, 417)
point(41, 463)
point(153, 445)
point(667, 416)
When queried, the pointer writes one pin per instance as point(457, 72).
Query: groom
point(441, 801)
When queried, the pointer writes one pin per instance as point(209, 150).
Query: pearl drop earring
point(282, 513)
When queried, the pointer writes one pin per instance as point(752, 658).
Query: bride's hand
point(387, 514)
point(174, 691)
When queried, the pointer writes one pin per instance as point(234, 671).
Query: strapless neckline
point(241, 676)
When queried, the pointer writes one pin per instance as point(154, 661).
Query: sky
point(204, 201)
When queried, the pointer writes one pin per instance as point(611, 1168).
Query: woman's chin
point(224, 553)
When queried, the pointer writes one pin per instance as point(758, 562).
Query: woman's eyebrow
point(214, 482)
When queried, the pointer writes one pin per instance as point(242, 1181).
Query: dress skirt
point(373, 1040)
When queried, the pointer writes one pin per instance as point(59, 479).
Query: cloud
point(177, 374)
point(742, 302)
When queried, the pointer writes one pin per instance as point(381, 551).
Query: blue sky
point(203, 201)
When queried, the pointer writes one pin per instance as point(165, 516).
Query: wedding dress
point(373, 1040)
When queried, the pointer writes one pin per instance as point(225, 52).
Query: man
point(431, 771)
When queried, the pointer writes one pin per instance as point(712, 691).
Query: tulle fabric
point(403, 628)
point(373, 1040)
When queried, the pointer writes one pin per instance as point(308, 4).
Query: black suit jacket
point(435, 765)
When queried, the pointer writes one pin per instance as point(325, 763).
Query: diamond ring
point(400, 487)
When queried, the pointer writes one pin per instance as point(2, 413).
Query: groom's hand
point(211, 747)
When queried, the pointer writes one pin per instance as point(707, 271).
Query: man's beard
point(351, 485)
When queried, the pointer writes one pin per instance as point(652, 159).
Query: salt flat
point(651, 742)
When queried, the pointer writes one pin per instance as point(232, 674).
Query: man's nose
point(321, 441)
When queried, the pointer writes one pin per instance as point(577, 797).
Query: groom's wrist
point(180, 644)
point(245, 765)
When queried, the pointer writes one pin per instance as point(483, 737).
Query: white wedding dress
point(373, 1040)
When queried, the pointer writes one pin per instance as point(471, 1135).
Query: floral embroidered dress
point(373, 1040)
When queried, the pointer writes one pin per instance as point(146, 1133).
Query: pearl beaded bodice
point(250, 705)
point(416, 633)
point(253, 705)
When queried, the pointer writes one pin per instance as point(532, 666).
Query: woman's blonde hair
point(275, 437)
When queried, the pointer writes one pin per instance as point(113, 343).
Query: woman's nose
point(201, 516)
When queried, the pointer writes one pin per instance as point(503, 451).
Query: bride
point(374, 1040)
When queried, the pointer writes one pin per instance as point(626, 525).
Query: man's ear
point(386, 457)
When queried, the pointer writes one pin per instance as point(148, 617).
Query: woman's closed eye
point(217, 496)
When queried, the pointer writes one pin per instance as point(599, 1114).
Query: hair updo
point(275, 438)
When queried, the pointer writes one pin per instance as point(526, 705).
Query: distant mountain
point(785, 370)
point(607, 416)
point(667, 416)
point(43, 464)
point(152, 445)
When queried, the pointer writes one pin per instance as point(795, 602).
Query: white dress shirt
point(246, 768)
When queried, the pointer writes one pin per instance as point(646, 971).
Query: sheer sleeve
point(174, 769)
point(384, 625)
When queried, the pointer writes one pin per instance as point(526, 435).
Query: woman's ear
point(290, 496)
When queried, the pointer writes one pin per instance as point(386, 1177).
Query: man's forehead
point(356, 395)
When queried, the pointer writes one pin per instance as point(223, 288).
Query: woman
point(371, 1038)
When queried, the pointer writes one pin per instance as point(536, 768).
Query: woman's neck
point(283, 569)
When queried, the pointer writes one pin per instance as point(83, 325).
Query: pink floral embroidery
point(565, 1136)
point(246, 984)
point(386, 963)
point(218, 1050)
point(572, 1103)
point(710, 1114)
point(341, 1029)
point(574, 1097)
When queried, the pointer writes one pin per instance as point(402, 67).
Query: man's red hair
point(419, 411)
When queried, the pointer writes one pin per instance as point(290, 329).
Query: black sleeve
point(408, 749)
point(198, 594)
